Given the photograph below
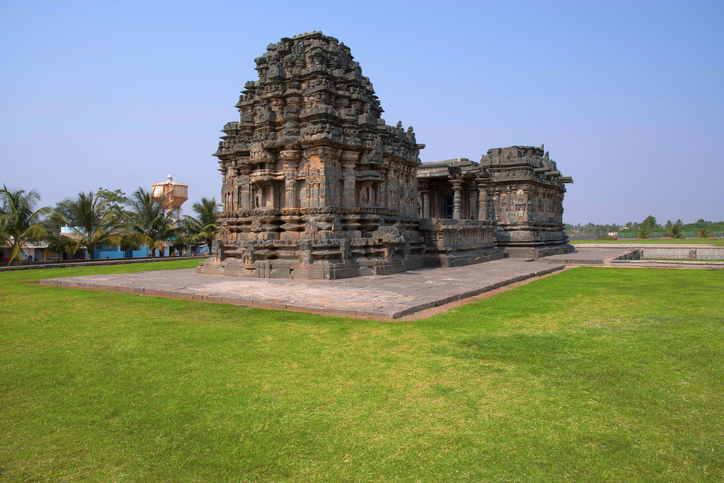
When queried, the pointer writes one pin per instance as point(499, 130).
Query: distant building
point(101, 253)
point(33, 249)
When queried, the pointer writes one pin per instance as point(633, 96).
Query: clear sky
point(628, 96)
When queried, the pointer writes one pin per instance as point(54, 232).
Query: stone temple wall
point(315, 184)
point(524, 192)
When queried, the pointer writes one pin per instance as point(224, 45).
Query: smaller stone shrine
point(518, 188)
point(525, 192)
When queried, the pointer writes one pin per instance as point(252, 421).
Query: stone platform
point(584, 256)
point(386, 297)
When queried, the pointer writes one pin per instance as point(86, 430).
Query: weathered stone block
point(290, 235)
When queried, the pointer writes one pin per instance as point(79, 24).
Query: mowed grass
point(717, 242)
point(589, 375)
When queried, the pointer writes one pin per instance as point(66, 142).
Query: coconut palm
point(676, 230)
point(148, 223)
point(204, 227)
point(94, 223)
point(704, 233)
point(19, 220)
point(643, 234)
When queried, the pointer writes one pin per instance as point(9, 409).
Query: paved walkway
point(591, 256)
point(384, 297)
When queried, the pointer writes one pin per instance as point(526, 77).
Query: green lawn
point(590, 375)
point(718, 242)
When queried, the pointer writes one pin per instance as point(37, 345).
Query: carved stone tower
point(315, 184)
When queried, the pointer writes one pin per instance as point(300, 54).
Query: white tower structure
point(173, 193)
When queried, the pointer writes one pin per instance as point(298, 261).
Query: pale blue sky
point(627, 96)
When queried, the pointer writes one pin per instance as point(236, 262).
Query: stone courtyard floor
point(385, 297)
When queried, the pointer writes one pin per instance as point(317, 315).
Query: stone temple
point(316, 185)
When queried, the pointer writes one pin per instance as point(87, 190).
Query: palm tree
point(676, 230)
point(643, 234)
point(148, 222)
point(92, 220)
point(205, 226)
point(19, 220)
point(704, 233)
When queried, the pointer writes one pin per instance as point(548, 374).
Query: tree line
point(101, 219)
point(647, 227)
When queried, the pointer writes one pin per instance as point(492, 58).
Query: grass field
point(590, 375)
point(717, 242)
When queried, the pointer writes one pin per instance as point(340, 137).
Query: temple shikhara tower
point(315, 184)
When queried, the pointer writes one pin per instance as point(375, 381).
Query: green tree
point(20, 220)
point(643, 234)
point(204, 227)
point(703, 233)
point(114, 201)
point(649, 223)
point(676, 230)
point(148, 223)
point(94, 223)
point(52, 223)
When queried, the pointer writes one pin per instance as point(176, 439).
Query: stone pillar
point(225, 199)
point(482, 199)
point(412, 191)
point(382, 195)
point(243, 181)
point(325, 191)
point(425, 200)
point(457, 198)
point(472, 204)
point(290, 159)
point(349, 160)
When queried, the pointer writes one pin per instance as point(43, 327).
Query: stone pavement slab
point(386, 297)
point(592, 256)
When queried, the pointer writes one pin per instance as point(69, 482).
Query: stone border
point(700, 264)
point(664, 251)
